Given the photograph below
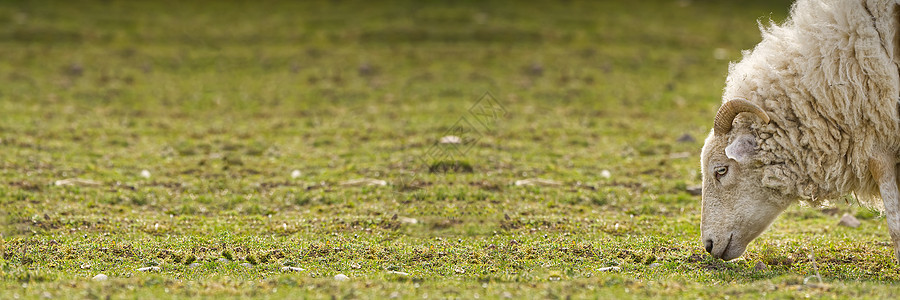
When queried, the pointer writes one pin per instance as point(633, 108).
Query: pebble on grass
point(694, 190)
point(341, 277)
point(398, 273)
point(537, 182)
point(292, 269)
point(605, 174)
point(76, 181)
point(364, 182)
point(100, 277)
point(609, 269)
point(849, 221)
point(148, 269)
point(450, 139)
point(686, 138)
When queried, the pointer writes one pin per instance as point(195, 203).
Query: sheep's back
point(829, 79)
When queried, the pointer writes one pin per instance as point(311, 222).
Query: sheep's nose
point(709, 245)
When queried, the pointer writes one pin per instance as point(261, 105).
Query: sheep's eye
point(721, 171)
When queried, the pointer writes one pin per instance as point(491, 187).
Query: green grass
point(222, 103)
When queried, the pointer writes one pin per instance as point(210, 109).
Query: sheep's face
point(737, 205)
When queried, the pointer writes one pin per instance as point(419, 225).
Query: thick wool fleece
point(828, 79)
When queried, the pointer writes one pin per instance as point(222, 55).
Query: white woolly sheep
point(823, 91)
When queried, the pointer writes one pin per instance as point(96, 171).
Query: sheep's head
point(738, 204)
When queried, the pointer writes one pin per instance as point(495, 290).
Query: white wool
point(828, 79)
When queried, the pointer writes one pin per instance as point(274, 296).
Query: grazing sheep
point(822, 93)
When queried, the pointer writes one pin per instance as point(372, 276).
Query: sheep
point(810, 114)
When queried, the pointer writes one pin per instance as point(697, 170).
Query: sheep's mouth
point(727, 246)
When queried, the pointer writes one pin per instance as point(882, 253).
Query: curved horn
point(729, 110)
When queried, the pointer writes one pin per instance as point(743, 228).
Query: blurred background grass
point(382, 78)
point(253, 119)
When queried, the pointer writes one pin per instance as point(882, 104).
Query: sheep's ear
point(742, 148)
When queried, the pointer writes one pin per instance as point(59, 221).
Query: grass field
point(223, 141)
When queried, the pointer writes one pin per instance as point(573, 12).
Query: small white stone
point(76, 181)
point(296, 173)
point(654, 265)
point(148, 269)
point(100, 277)
point(398, 273)
point(538, 182)
point(406, 220)
point(145, 173)
point(85, 266)
point(605, 174)
point(292, 269)
point(364, 181)
point(248, 265)
point(193, 265)
point(223, 260)
point(341, 277)
point(451, 139)
point(609, 269)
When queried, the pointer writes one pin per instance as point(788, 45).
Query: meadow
point(259, 149)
